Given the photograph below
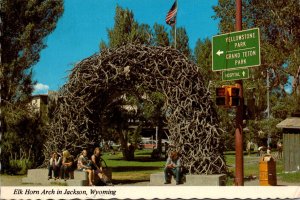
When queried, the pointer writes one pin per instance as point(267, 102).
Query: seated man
point(173, 167)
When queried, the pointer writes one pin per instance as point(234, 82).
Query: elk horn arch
point(95, 81)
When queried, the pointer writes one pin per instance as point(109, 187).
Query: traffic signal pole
point(239, 159)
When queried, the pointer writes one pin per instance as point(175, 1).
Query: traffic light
point(221, 99)
point(234, 98)
point(227, 96)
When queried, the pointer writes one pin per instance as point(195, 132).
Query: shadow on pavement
point(126, 181)
point(133, 168)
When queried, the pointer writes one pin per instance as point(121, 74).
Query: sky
point(84, 24)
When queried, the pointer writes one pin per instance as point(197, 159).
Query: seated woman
point(97, 166)
point(84, 164)
point(67, 165)
point(54, 165)
point(173, 167)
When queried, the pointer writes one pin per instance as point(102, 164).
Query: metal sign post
point(239, 159)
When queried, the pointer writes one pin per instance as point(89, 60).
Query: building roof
point(39, 96)
point(290, 122)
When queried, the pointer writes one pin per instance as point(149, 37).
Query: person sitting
point(131, 152)
point(54, 165)
point(173, 167)
point(84, 164)
point(97, 166)
point(67, 165)
point(261, 150)
point(280, 149)
point(269, 151)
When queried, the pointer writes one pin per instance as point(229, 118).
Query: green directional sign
point(239, 49)
point(236, 74)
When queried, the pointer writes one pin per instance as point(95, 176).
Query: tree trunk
point(124, 147)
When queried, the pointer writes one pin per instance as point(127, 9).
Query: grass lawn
point(290, 177)
point(133, 171)
point(251, 164)
point(251, 168)
point(141, 168)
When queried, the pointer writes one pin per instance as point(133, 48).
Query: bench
point(158, 179)
point(80, 178)
point(39, 177)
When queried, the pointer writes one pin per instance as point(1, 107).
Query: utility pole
point(239, 159)
point(268, 94)
point(268, 105)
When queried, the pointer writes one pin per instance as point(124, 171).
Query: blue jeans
point(55, 170)
point(172, 171)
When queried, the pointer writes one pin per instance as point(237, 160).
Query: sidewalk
point(279, 183)
point(7, 180)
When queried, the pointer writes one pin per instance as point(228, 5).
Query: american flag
point(171, 16)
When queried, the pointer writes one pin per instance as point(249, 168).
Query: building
point(39, 104)
point(291, 142)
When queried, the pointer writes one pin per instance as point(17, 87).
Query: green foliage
point(226, 13)
point(261, 129)
point(134, 136)
point(149, 110)
point(19, 167)
point(283, 107)
point(278, 23)
point(182, 41)
point(279, 31)
point(24, 134)
point(161, 36)
point(126, 30)
point(227, 123)
point(203, 58)
point(26, 24)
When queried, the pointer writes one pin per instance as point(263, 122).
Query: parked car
point(148, 144)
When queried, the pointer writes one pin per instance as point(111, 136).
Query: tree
point(182, 41)
point(279, 32)
point(161, 36)
point(278, 23)
point(126, 30)
point(203, 58)
point(25, 26)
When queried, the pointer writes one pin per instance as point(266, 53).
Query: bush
point(19, 167)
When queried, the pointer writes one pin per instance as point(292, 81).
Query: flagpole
point(175, 24)
point(175, 35)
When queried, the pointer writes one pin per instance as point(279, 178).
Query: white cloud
point(41, 88)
